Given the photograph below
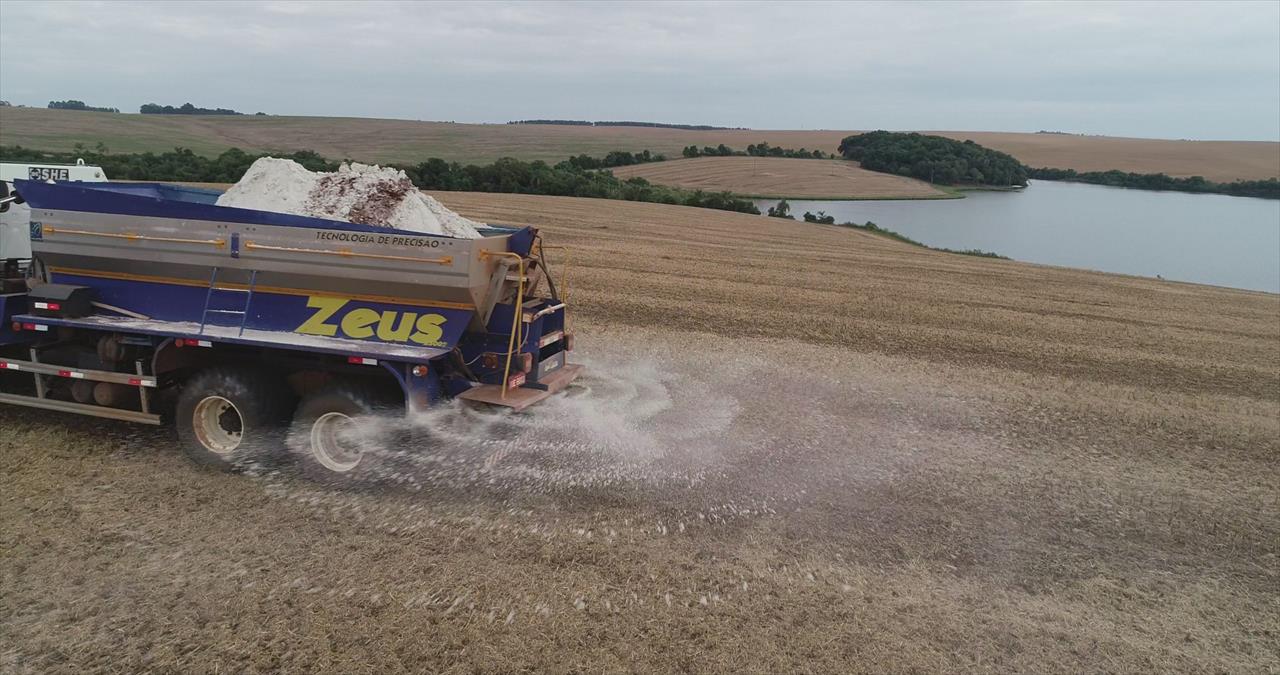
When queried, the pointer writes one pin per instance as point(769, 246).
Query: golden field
point(799, 448)
point(781, 177)
point(407, 141)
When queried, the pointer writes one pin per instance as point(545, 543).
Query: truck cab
point(15, 217)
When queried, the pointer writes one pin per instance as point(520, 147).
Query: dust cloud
point(709, 431)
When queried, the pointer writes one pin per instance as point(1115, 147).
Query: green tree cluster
point(615, 158)
point(933, 158)
point(781, 210)
point(179, 164)
point(572, 123)
point(721, 150)
point(566, 178)
point(184, 109)
point(72, 104)
point(505, 175)
point(1265, 189)
point(761, 149)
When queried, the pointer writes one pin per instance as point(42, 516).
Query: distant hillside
point(659, 125)
point(403, 141)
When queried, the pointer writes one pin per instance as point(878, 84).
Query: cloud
point(1180, 70)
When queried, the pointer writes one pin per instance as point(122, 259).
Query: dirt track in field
point(781, 177)
point(409, 141)
point(815, 446)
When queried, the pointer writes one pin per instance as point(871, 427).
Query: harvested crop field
point(781, 177)
point(1215, 160)
point(409, 141)
point(812, 445)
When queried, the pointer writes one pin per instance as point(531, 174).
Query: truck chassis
point(241, 366)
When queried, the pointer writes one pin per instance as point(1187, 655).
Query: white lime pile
point(355, 193)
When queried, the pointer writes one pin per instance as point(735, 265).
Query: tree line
point(566, 178)
point(660, 125)
point(1265, 189)
point(761, 149)
point(933, 158)
point(615, 158)
point(72, 104)
point(185, 109)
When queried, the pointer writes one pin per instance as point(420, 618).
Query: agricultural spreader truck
point(145, 302)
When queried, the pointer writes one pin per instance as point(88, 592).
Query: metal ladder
point(242, 313)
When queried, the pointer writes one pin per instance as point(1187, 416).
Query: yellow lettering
point(401, 332)
point(326, 307)
point(356, 323)
point(429, 330)
point(362, 323)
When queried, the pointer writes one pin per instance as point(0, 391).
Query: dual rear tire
point(232, 417)
point(334, 431)
point(229, 417)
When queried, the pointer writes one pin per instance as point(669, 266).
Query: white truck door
point(15, 229)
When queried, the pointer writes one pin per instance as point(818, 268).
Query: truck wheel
point(325, 426)
point(226, 416)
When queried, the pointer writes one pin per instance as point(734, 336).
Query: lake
point(1208, 239)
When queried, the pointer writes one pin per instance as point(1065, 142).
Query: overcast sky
point(1177, 70)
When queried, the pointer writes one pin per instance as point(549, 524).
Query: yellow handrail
point(347, 253)
point(49, 229)
point(516, 313)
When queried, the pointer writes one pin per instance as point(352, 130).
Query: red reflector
point(515, 381)
point(64, 373)
point(135, 381)
point(55, 306)
point(28, 326)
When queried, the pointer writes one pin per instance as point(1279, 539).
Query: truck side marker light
point(419, 371)
point(515, 381)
